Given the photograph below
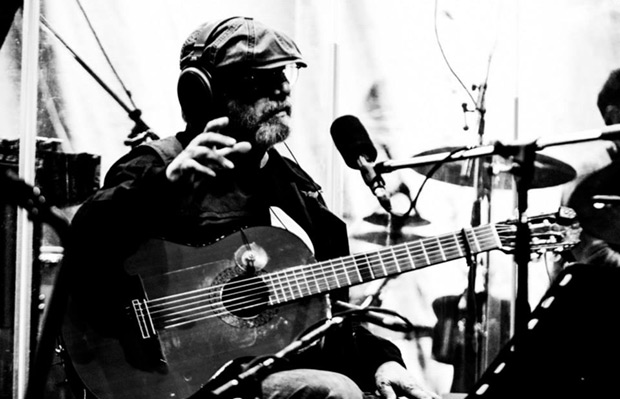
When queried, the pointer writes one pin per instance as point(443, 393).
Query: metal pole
point(25, 230)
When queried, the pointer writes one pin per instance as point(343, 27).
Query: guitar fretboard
point(303, 281)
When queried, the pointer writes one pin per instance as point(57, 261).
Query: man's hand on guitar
point(393, 381)
point(207, 153)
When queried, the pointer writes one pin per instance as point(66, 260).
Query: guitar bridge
point(140, 340)
point(143, 318)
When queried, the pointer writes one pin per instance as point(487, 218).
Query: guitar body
point(193, 352)
point(184, 312)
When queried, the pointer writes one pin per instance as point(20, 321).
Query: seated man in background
point(600, 238)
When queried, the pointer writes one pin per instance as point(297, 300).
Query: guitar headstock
point(551, 232)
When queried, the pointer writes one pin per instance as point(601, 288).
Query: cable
point(105, 54)
point(443, 54)
point(431, 172)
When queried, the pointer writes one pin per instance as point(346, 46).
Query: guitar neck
point(321, 277)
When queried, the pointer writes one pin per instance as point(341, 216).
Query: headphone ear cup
point(195, 95)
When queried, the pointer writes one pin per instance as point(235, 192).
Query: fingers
point(419, 393)
point(393, 380)
point(207, 153)
point(385, 390)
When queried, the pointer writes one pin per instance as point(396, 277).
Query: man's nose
point(282, 90)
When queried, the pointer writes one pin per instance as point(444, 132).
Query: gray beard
point(262, 134)
point(271, 133)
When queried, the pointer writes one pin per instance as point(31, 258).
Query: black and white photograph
point(309, 199)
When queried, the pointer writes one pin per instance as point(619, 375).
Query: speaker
point(571, 348)
point(194, 87)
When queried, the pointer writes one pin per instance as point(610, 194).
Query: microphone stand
point(140, 132)
point(482, 185)
point(611, 132)
point(242, 384)
point(523, 155)
point(256, 372)
point(523, 172)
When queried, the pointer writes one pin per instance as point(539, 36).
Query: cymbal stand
point(481, 210)
point(523, 156)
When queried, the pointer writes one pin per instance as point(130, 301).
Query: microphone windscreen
point(352, 140)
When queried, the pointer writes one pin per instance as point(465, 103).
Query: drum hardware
point(596, 199)
point(548, 171)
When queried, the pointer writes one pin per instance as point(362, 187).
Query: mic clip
point(375, 182)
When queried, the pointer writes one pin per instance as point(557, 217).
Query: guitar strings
point(282, 287)
point(203, 303)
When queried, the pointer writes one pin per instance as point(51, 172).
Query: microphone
point(353, 143)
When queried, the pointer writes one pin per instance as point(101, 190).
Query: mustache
point(272, 111)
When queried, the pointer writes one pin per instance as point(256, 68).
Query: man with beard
point(220, 176)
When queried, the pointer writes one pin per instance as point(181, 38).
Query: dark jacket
point(138, 202)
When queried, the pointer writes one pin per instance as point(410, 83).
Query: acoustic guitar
point(249, 294)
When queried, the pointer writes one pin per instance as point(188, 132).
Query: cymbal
point(396, 228)
point(381, 237)
point(382, 219)
point(548, 172)
point(597, 218)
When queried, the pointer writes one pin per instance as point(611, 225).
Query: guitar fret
point(383, 266)
point(315, 278)
point(443, 254)
point(334, 273)
point(413, 265)
point(346, 275)
point(418, 254)
point(374, 268)
point(300, 281)
point(282, 287)
point(359, 274)
point(396, 260)
point(433, 250)
point(354, 274)
point(290, 275)
point(305, 271)
point(325, 279)
point(274, 290)
point(469, 240)
point(287, 284)
point(478, 249)
point(458, 244)
point(428, 261)
point(365, 271)
point(446, 249)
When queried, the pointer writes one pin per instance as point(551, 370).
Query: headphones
point(194, 87)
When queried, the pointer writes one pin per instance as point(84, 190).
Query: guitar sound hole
point(244, 298)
